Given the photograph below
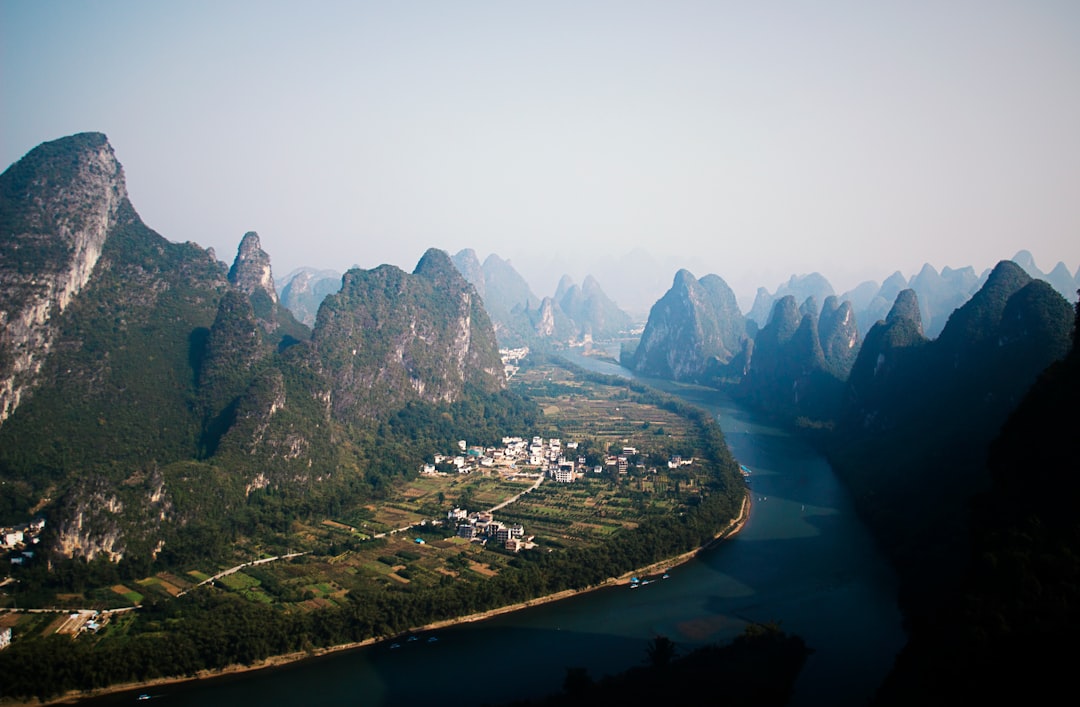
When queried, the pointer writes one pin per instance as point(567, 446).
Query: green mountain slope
point(169, 404)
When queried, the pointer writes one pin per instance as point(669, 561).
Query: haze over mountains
point(154, 399)
point(939, 293)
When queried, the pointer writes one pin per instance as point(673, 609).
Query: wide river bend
point(803, 559)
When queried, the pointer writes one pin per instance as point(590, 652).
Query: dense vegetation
point(212, 628)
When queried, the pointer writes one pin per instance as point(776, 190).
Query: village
point(537, 459)
point(18, 542)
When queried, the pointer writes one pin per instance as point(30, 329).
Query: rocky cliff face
point(694, 328)
point(251, 273)
point(388, 337)
point(58, 203)
point(515, 312)
point(839, 336)
point(252, 276)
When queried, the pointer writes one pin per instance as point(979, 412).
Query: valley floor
point(733, 527)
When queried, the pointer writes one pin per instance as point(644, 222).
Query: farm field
point(619, 441)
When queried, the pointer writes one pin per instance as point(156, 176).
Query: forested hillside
point(167, 392)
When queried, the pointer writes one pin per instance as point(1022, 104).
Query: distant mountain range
point(939, 294)
point(573, 314)
point(154, 400)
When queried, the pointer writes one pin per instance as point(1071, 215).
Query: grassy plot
point(130, 594)
point(246, 586)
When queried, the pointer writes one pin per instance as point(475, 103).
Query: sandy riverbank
point(732, 528)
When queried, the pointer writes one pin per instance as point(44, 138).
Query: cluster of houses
point(511, 358)
point(548, 456)
point(483, 527)
point(19, 540)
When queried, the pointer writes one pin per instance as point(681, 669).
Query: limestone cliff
point(57, 204)
point(388, 337)
point(252, 276)
point(839, 336)
point(694, 328)
point(250, 272)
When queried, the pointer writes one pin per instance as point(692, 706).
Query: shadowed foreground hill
point(920, 415)
point(1006, 634)
point(758, 669)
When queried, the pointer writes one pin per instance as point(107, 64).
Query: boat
point(744, 469)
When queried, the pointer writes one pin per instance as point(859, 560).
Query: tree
point(577, 681)
point(660, 650)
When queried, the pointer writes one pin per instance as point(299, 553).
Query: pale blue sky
point(753, 140)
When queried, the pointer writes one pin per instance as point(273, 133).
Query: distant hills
point(573, 314)
point(303, 290)
point(939, 293)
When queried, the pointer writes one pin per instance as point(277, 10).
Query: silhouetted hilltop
point(919, 414)
point(1000, 636)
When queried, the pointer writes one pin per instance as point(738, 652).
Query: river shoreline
point(733, 527)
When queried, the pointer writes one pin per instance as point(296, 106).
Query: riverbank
point(732, 528)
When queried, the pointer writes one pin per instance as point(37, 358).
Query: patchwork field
point(405, 542)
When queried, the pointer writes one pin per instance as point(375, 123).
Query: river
point(803, 560)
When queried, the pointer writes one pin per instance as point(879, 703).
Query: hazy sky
point(753, 140)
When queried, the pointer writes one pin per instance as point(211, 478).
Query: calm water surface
point(803, 560)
